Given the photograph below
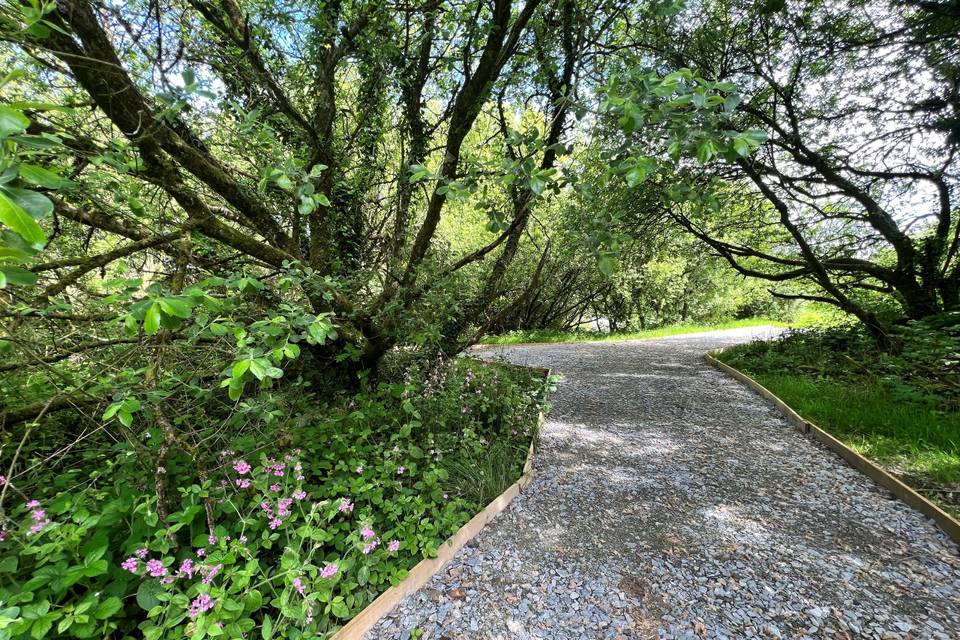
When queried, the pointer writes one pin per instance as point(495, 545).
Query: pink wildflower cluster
point(209, 572)
point(201, 604)
point(346, 506)
point(329, 571)
point(298, 585)
point(38, 515)
point(155, 568)
point(393, 546)
point(368, 535)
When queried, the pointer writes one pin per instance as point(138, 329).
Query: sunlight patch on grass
point(542, 336)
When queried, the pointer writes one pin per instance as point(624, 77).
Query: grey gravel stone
point(672, 502)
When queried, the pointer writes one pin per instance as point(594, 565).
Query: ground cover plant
point(292, 528)
point(900, 409)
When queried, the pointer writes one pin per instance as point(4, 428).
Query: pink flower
point(276, 522)
point(400, 470)
point(155, 568)
point(33, 504)
point(141, 553)
point(329, 570)
point(243, 483)
point(201, 604)
point(167, 580)
point(370, 547)
point(3, 480)
point(359, 469)
point(278, 470)
point(186, 568)
point(39, 526)
point(346, 506)
point(283, 507)
point(445, 496)
point(299, 495)
point(393, 546)
point(212, 539)
point(265, 506)
point(201, 552)
point(38, 515)
point(209, 573)
point(241, 467)
point(3, 532)
point(366, 533)
point(298, 585)
point(130, 564)
point(274, 487)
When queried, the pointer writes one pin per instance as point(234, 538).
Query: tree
point(857, 168)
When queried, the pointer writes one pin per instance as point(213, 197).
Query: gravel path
point(672, 502)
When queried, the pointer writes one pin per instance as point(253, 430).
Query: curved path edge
point(672, 502)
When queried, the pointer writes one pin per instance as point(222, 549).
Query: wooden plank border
point(901, 490)
point(428, 567)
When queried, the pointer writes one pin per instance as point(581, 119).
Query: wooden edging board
point(428, 567)
point(904, 492)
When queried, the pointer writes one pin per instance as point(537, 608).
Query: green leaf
point(151, 321)
point(17, 275)
point(240, 367)
point(12, 121)
point(705, 151)
point(266, 631)
point(34, 203)
point(607, 265)
point(14, 216)
point(258, 367)
point(730, 102)
point(147, 594)
point(107, 608)
point(41, 177)
point(177, 307)
point(41, 627)
point(235, 391)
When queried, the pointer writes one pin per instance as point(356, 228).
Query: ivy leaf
point(15, 217)
point(151, 321)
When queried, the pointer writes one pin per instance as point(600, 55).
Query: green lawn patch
point(547, 335)
point(910, 435)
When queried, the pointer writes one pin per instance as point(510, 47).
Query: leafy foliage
point(291, 537)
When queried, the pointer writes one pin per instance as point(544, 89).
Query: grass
point(518, 337)
point(911, 439)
